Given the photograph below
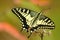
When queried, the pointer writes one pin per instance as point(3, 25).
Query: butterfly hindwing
point(45, 22)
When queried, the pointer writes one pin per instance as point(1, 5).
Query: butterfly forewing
point(25, 15)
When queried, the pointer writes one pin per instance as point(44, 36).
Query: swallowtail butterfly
point(32, 21)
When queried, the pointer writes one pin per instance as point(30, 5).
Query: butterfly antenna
point(42, 11)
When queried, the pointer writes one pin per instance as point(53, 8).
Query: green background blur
point(8, 16)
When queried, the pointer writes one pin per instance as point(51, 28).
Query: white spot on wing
point(23, 28)
point(19, 16)
point(23, 25)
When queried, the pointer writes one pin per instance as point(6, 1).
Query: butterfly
point(33, 21)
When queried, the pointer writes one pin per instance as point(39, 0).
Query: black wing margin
point(19, 15)
point(49, 23)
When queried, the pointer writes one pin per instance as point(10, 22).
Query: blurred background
point(36, 5)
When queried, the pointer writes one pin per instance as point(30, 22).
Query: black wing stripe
point(47, 20)
point(15, 13)
point(46, 26)
point(24, 10)
point(24, 20)
point(21, 10)
point(43, 27)
point(18, 9)
point(44, 17)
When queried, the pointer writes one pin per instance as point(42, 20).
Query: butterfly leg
point(31, 30)
point(30, 35)
point(41, 36)
point(25, 27)
point(27, 30)
point(22, 28)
